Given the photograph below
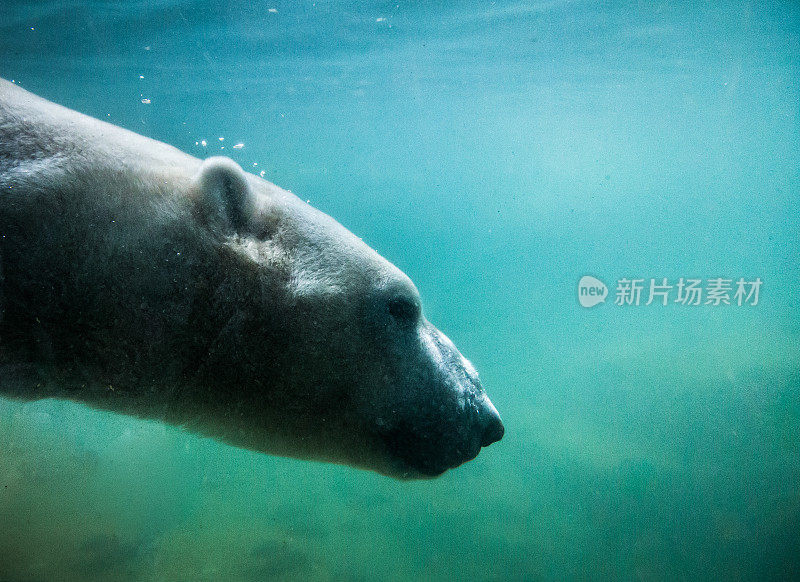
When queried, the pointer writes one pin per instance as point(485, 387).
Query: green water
point(496, 152)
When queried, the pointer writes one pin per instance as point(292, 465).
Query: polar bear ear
point(224, 195)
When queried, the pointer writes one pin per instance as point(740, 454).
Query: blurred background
point(496, 152)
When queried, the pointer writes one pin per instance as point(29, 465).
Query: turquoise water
point(496, 152)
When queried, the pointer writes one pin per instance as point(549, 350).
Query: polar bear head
point(320, 346)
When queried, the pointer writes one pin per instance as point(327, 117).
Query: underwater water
point(497, 152)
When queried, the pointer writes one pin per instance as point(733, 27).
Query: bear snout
point(447, 438)
point(489, 423)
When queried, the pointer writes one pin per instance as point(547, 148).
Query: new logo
point(591, 291)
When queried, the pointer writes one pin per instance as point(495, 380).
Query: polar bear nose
point(491, 425)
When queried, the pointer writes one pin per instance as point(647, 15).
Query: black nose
point(493, 429)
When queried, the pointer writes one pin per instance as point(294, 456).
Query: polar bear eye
point(404, 310)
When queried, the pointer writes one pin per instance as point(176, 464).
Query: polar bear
point(137, 279)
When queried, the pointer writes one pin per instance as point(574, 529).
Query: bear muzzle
point(444, 442)
point(453, 417)
point(491, 426)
